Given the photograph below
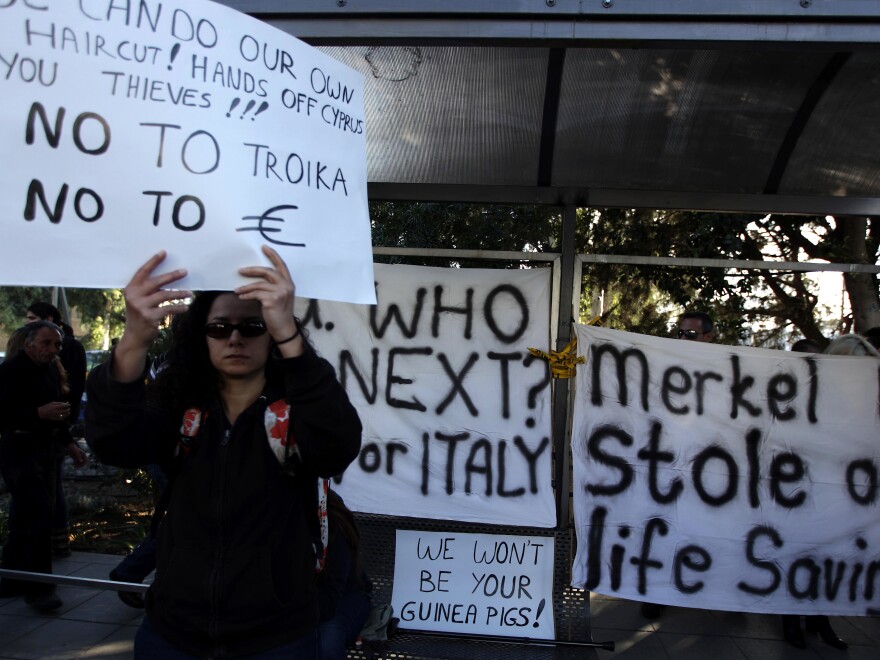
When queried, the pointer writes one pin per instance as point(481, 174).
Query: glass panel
point(677, 120)
point(451, 115)
point(838, 153)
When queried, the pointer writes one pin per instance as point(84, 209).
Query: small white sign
point(482, 584)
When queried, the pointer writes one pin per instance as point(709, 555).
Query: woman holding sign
point(244, 417)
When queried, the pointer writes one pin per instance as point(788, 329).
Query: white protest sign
point(130, 127)
point(456, 412)
point(474, 583)
point(725, 477)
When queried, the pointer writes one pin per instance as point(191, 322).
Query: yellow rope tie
point(563, 364)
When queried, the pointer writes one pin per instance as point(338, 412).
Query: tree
point(100, 312)
point(773, 301)
point(760, 307)
point(841, 240)
point(648, 298)
point(463, 226)
point(14, 302)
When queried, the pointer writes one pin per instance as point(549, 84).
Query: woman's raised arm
point(144, 312)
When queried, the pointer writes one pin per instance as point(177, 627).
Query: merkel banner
point(726, 478)
point(456, 412)
point(183, 125)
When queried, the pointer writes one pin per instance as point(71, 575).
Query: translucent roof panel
point(451, 115)
point(677, 120)
point(838, 152)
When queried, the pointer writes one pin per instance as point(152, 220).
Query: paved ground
point(92, 624)
point(96, 624)
point(687, 634)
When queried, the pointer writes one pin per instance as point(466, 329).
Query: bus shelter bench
point(570, 606)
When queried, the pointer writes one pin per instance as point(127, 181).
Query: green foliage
point(109, 530)
point(14, 302)
point(140, 481)
point(162, 343)
point(111, 514)
point(101, 313)
point(463, 227)
point(643, 311)
point(648, 299)
point(758, 307)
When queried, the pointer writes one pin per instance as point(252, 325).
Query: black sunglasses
point(689, 334)
point(223, 330)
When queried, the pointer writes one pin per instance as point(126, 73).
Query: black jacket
point(235, 570)
point(24, 387)
point(73, 359)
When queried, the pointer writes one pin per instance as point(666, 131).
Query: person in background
point(140, 562)
point(692, 326)
point(33, 431)
point(243, 418)
point(16, 344)
point(73, 355)
point(806, 346)
point(873, 337)
point(73, 359)
point(851, 345)
point(343, 586)
point(696, 326)
point(791, 623)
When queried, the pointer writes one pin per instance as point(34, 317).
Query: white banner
point(456, 411)
point(726, 478)
point(130, 127)
point(474, 583)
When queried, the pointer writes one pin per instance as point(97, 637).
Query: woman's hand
point(275, 291)
point(145, 310)
point(144, 299)
point(77, 454)
point(54, 411)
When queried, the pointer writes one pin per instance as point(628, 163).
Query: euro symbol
point(269, 216)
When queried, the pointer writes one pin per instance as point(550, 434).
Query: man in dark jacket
point(73, 355)
point(33, 416)
point(73, 359)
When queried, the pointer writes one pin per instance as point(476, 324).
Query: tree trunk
point(861, 288)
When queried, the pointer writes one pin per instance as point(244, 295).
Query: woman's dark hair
point(806, 346)
point(186, 378)
point(16, 341)
point(46, 311)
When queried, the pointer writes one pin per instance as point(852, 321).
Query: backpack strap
point(283, 445)
point(321, 553)
point(189, 431)
point(277, 422)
